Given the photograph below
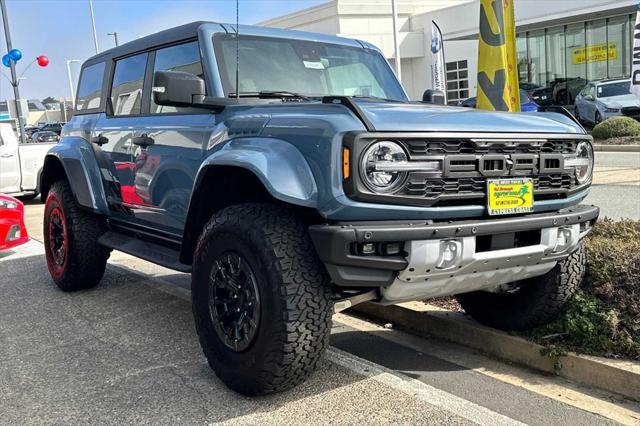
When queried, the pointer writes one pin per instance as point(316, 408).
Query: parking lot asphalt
point(616, 185)
point(126, 352)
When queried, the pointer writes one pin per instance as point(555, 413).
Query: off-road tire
point(293, 286)
point(536, 302)
point(85, 259)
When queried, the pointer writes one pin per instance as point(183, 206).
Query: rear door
point(9, 160)
point(113, 132)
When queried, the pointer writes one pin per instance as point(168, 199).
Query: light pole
point(73, 96)
point(93, 24)
point(115, 37)
point(14, 80)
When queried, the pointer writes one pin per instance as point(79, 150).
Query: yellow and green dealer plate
point(509, 196)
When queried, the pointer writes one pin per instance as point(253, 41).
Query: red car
point(12, 229)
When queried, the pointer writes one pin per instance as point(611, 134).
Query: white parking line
point(31, 248)
point(417, 389)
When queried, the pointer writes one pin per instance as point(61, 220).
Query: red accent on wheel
point(58, 242)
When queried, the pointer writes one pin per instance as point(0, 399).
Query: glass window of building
point(618, 31)
point(596, 50)
point(537, 73)
point(521, 54)
point(457, 81)
point(555, 51)
point(575, 56)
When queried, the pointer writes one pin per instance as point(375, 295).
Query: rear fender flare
point(81, 168)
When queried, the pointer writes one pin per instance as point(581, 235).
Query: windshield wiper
point(377, 98)
point(272, 94)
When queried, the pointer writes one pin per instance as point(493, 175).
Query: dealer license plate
point(509, 196)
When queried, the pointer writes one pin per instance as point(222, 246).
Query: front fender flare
point(279, 166)
point(81, 168)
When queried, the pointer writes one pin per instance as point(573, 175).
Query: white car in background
point(20, 164)
point(599, 100)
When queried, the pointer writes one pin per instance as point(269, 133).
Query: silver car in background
point(599, 100)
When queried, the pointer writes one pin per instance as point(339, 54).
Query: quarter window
point(183, 57)
point(126, 89)
point(90, 87)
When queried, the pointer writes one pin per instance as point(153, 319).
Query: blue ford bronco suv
point(313, 186)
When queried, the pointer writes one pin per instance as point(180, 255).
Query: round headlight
point(584, 162)
point(377, 166)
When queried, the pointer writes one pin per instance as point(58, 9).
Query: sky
point(61, 30)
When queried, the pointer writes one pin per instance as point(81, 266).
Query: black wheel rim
point(234, 301)
point(57, 241)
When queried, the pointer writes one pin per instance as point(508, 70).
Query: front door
point(168, 148)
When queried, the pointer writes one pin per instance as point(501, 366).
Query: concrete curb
point(619, 377)
point(616, 148)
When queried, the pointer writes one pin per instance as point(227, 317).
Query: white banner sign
point(635, 59)
point(438, 79)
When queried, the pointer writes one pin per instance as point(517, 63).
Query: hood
point(414, 117)
point(620, 101)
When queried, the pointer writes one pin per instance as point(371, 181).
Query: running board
point(155, 253)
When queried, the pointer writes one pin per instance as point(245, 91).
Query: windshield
point(613, 89)
point(304, 67)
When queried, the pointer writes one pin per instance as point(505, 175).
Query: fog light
point(389, 249)
point(367, 248)
point(450, 252)
point(565, 239)
point(14, 233)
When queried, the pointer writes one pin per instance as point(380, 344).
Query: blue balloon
point(6, 61)
point(15, 54)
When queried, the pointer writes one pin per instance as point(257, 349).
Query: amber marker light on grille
point(345, 163)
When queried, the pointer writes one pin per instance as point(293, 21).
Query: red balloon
point(43, 61)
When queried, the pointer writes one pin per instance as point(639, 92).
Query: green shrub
point(613, 265)
point(604, 317)
point(616, 127)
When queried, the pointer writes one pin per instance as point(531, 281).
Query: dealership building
point(560, 43)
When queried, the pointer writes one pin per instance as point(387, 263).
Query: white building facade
point(561, 42)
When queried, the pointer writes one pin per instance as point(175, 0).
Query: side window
point(126, 88)
point(183, 57)
point(90, 87)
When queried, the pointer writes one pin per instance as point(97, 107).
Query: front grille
point(633, 112)
point(430, 188)
point(423, 147)
point(465, 162)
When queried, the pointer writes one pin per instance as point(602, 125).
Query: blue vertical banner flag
point(438, 79)
point(635, 56)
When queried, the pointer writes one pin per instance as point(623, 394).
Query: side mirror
point(177, 88)
point(589, 97)
point(431, 96)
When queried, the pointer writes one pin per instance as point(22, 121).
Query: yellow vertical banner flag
point(498, 88)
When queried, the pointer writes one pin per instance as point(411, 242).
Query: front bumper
point(480, 263)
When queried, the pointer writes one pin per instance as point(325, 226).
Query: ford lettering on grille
point(493, 165)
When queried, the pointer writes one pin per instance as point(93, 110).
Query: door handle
point(6, 155)
point(100, 140)
point(143, 140)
